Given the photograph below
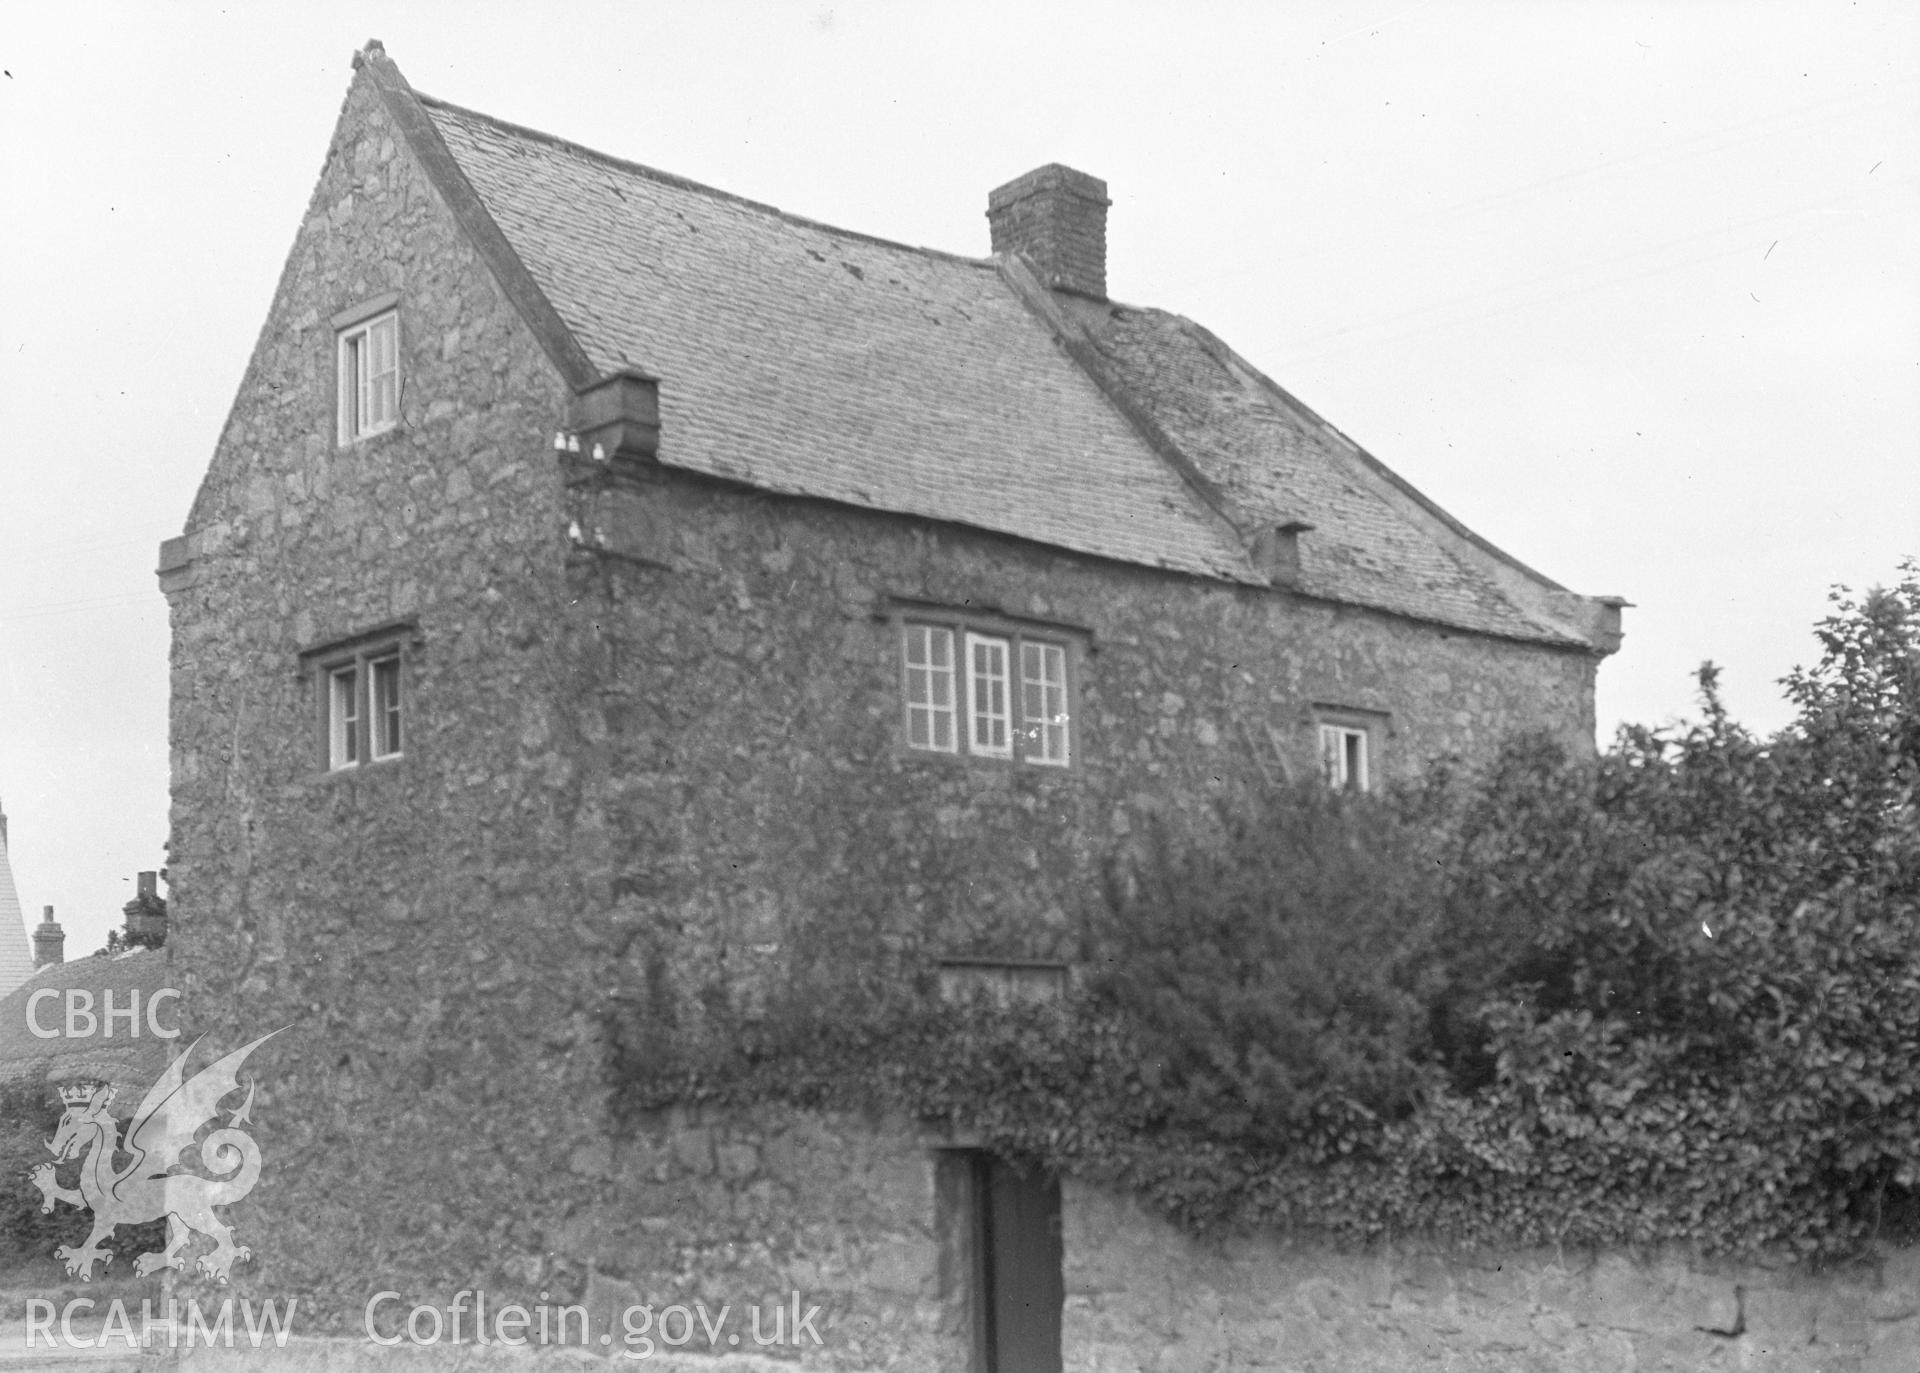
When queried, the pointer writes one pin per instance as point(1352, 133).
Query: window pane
point(370, 378)
point(343, 723)
point(929, 687)
point(987, 703)
point(386, 707)
point(1343, 757)
point(383, 371)
point(1043, 703)
point(351, 371)
point(363, 383)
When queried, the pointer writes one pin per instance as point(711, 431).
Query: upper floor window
point(1349, 743)
point(369, 372)
point(1343, 757)
point(987, 690)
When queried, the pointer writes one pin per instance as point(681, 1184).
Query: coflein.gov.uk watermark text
point(643, 1328)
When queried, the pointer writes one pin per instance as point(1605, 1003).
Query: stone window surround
point(1341, 723)
point(348, 325)
point(322, 664)
point(1075, 642)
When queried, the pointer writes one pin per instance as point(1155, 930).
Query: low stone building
point(113, 1017)
point(594, 559)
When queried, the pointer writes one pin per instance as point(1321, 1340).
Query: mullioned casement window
point(367, 341)
point(362, 697)
point(987, 690)
point(363, 711)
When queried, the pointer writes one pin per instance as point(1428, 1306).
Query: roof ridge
point(1549, 612)
point(1224, 352)
point(683, 183)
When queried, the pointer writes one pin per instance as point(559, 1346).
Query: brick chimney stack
point(1056, 219)
point(146, 914)
point(49, 942)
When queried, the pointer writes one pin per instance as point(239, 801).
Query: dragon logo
point(164, 1127)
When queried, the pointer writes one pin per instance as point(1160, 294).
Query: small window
point(1344, 757)
point(989, 690)
point(370, 377)
point(363, 708)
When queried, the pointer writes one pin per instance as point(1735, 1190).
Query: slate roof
point(801, 359)
point(808, 360)
point(1279, 461)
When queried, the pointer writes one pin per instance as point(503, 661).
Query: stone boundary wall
point(1141, 1296)
point(750, 1206)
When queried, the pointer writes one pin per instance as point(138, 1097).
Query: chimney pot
point(1055, 218)
point(49, 942)
point(146, 914)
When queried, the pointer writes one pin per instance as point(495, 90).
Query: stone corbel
point(620, 413)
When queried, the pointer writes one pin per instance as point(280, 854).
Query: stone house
point(592, 558)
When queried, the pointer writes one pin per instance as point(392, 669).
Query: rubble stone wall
point(1142, 1296)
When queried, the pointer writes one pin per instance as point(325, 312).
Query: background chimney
point(146, 914)
point(1055, 218)
point(49, 942)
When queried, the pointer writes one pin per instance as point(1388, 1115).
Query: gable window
point(369, 372)
point(986, 690)
point(363, 697)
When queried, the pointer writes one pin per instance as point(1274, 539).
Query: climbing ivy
point(1669, 993)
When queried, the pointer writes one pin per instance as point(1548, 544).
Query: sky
point(1632, 290)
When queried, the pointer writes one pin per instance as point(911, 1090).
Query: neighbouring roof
point(808, 360)
point(130, 1062)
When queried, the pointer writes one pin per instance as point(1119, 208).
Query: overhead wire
point(1578, 269)
point(1680, 150)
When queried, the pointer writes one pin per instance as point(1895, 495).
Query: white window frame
point(990, 721)
point(998, 708)
point(386, 707)
point(1346, 755)
point(1045, 705)
point(365, 407)
point(343, 716)
point(930, 690)
point(361, 722)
